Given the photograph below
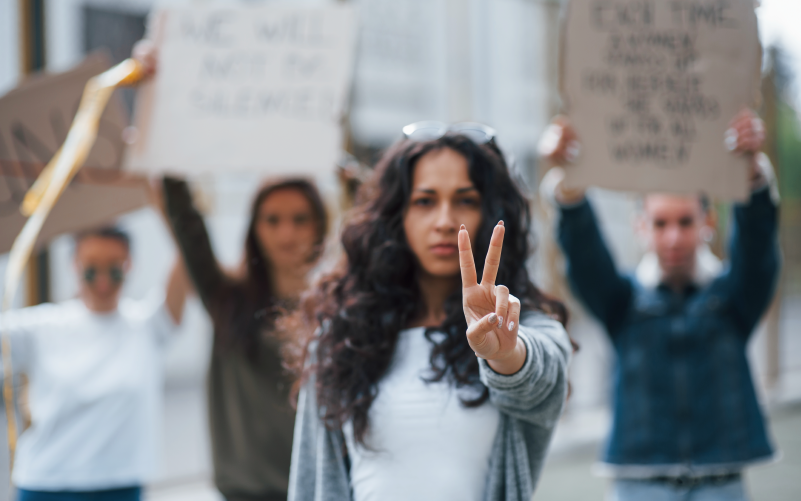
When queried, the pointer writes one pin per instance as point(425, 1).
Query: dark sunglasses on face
point(115, 274)
point(431, 130)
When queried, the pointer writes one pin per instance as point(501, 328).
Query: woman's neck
point(289, 283)
point(435, 291)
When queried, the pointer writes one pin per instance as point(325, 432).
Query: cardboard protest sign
point(34, 121)
point(96, 196)
point(650, 87)
point(246, 88)
point(35, 118)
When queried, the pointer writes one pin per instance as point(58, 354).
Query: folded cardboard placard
point(651, 86)
point(95, 197)
point(34, 120)
point(36, 116)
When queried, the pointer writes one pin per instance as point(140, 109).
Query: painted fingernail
point(731, 139)
point(492, 318)
point(573, 151)
point(461, 228)
point(512, 325)
point(500, 223)
point(500, 322)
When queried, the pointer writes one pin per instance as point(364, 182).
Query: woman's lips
point(445, 250)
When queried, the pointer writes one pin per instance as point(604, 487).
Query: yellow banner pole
point(44, 194)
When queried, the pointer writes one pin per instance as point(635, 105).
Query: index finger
point(493, 260)
point(466, 263)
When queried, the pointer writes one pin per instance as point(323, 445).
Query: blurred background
point(491, 61)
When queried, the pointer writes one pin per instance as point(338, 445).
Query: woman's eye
point(470, 202)
point(423, 202)
point(301, 219)
point(272, 220)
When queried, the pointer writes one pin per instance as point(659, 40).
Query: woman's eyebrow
point(432, 191)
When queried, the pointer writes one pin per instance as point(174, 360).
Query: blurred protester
point(95, 374)
point(250, 415)
point(415, 387)
point(686, 416)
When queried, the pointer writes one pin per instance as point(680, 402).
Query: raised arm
point(193, 241)
point(178, 287)
point(591, 270)
point(754, 248)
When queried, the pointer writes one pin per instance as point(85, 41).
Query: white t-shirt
point(423, 444)
point(95, 393)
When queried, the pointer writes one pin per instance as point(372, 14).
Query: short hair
point(703, 201)
point(111, 232)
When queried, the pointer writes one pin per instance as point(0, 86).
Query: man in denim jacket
point(686, 417)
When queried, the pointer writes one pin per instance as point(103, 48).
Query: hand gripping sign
point(650, 87)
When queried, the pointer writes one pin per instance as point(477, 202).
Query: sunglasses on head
point(115, 274)
point(431, 130)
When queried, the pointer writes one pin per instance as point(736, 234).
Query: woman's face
point(286, 228)
point(443, 198)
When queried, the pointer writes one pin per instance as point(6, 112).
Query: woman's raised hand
point(145, 52)
point(560, 147)
point(492, 313)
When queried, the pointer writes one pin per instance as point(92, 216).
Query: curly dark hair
point(373, 293)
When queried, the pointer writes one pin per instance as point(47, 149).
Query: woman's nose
point(445, 218)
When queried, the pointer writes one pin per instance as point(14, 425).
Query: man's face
point(101, 264)
point(672, 226)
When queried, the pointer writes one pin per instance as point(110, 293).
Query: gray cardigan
point(530, 403)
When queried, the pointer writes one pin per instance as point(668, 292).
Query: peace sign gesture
point(492, 313)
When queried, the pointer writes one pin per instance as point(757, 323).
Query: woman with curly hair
point(419, 382)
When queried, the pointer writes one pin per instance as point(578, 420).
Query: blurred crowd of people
point(425, 363)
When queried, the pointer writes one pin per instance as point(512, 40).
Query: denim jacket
point(684, 400)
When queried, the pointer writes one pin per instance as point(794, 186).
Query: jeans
point(125, 494)
point(640, 490)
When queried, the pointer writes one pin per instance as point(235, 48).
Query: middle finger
point(493, 260)
point(501, 303)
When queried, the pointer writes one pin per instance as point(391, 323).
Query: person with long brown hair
point(250, 417)
point(417, 385)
